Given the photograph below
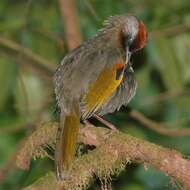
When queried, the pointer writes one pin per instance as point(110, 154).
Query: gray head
point(128, 30)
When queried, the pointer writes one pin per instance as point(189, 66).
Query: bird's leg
point(105, 122)
point(86, 122)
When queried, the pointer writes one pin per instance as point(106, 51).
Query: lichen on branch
point(114, 150)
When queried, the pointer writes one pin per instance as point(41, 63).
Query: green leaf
point(181, 45)
point(167, 63)
point(7, 80)
point(148, 176)
point(30, 97)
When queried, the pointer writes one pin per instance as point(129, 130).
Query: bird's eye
point(128, 40)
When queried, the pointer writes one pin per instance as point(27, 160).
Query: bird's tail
point(66, 142)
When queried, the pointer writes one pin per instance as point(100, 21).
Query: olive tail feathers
point(66, 143)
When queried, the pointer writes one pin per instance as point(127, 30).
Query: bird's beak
point(130, 67)
point(128, 55)
point(127, 59)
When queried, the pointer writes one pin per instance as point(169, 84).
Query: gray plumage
point(123, 95)
point(82, 66)
point(95, 78)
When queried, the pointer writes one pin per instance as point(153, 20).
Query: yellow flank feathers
point(102, 89)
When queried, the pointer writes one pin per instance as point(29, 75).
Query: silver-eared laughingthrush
point(95, 78)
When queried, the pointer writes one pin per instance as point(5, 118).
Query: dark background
point(162, 70)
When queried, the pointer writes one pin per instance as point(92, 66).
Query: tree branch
point(71, 25)
point(37, 60)
point(158, 127)
point(163, 96)
point(10, 163)
point(116, 150)
point(171, 31)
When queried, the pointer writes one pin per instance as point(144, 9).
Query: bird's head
point(130, 33)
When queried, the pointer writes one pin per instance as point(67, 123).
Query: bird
point(96, 77)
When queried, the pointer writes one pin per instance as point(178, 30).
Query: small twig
point(54, 36)
point(91, 9)
point(158, 127)
point(10, 163)
point(38, 60)
point(165, 96)
point(171, 31)
point(12, 129)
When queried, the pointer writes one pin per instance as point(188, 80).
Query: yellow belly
point(102, 89)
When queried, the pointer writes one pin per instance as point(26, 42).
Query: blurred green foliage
point(162, 69)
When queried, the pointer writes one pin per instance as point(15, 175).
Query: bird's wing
point(102, 89)
point(78, 70)
point(122, 96)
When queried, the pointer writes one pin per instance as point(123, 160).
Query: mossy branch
point(114, 150)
